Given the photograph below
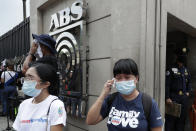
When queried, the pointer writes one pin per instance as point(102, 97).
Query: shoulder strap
point(12, 80)
point(9, 74)
point(49, 111)
point(147, 105)
point(50, 105)
point(111, 99)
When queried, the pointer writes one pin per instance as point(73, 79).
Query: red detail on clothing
point(69, 92)
point(66, 87)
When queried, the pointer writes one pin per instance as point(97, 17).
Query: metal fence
point(15, 42)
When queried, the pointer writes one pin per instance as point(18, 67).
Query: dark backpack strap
point(12, 80)
point(147, 105)
point(110, 100)
point(50, 105)
point(9, 74)
point(146, 102)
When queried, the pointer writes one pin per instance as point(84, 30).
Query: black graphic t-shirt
point(129, 115)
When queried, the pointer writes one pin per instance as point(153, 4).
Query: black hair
point(10, 64)
point(48, 59)
point(125, 66)
point(48, 73)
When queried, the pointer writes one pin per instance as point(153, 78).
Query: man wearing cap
point(178, 86)
point(42, 48)
point(42, 51)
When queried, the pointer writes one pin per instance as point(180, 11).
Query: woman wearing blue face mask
point(44, 111)
point(128, 109)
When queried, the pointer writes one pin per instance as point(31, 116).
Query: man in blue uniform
point(178, 86)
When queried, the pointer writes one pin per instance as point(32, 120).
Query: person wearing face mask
point(44, 111)
point(126, 111)
point(43, 46)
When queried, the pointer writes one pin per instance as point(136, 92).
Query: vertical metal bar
point(3, 46)
point(25, 36)
point(8, 45)
point(14, 40)
point(20, 40)
point(28, 36)
point(12, 43)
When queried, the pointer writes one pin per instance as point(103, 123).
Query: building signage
point(67, 16)
point(67, 28)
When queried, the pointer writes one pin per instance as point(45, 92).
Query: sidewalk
point(3, 121)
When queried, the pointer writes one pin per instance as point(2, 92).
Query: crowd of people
point(42, 110)
point(126, 109)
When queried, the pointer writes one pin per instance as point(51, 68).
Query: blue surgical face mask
point(125, 87)
point(29, 89)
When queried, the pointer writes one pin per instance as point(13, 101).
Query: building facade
point(112, 29)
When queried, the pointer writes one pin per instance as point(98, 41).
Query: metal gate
point(15, 42)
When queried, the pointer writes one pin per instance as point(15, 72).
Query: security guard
point(178, 86)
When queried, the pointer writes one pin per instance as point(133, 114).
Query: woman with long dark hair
point(43, 111)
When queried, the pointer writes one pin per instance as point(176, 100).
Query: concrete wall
point(112, 33)
point(121, 29)
point(152, 50)
point(183, 9)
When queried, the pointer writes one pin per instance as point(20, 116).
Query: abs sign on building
point(67, 16)
point(68, 28)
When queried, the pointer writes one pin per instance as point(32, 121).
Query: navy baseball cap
point(46, 40)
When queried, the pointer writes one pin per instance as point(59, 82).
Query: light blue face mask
point(125, 87)
point(29, 89)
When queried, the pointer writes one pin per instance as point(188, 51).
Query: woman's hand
point(107, 88)
point(94, 116)
point(28, 59)
point(33, 48)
